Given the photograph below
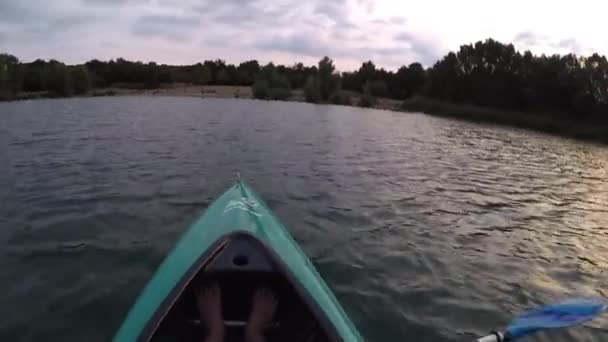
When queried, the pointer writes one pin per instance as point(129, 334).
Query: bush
point(340, 98)
point(108, 92)
point(375, 88)
point(6, 96)
point(279, 93)
point(260, 89)
point(312, 90)
point(367, 101)
point(271, 85)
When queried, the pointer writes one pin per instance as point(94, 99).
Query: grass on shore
point(553, 124)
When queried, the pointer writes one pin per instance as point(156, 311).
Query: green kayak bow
point(239, 244)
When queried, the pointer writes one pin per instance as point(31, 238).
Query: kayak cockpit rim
point(214, 250)
point(163, 309)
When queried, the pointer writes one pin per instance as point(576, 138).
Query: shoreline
point(537, 122)
point(532, 121)
point(204, 91)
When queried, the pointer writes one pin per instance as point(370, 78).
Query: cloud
point(543, 42)
point(284, 31)
point(300, 43)
point(13, 11)
point(397, 20)
point(108, 2)
point(368, 5)
point(392, 21)
point(171, 27)
point(245, 13)
point(424, 48)
point(336, 11)
point(530, 39)
point(404, 36)
point(405, 48)
point(180, 21)
point(331, 9)
point(27, 17)
point(569, 44)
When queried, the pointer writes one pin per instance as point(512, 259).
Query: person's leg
point(263, 306)
point(209, 302)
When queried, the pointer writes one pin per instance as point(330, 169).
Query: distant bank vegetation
point(485, 74)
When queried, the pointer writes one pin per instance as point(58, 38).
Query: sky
point(389, 32)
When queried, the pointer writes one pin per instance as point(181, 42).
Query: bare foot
point(263, 307)
point(209, 302)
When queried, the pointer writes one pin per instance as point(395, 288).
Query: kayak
point(239, 244)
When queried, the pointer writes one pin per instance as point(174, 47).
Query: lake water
point(427, 229)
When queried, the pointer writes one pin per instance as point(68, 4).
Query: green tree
point(270, 84)
point(4, 86)
point(408, 81)
point(222, 77)
point(367, 72)
point(201, 75)
point(11, 77)
point(151, 78)
point(328, 81)
point(246, 72)
point(57, 78)
point(376, 88)
point(81, 80)
point(312, 90)
point(368, 99)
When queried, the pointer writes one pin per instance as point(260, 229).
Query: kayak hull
point(239, 243)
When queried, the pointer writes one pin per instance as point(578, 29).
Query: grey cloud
point(221, 40)
point(393, 21)
point(171, 27)
point(569, 44)
point(27, 17)
point(229, 10)
point(330, 9)
point(305, 28)
point(398, 20)
point(299, 43)
point(426, 51)
point(369, 5)
point(306, 44)
point(252, 14)
point(110, 44)
point(17, 12)
point(404, 37)
point(529, 38)
point(337, 12)
point(169, 20)
point(108, 2)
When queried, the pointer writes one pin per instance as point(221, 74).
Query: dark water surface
point(427, 229)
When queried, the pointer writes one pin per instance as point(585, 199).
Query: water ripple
point(427, 229)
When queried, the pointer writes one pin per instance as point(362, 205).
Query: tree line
point(487, 73)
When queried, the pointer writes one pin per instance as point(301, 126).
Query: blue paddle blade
point(564, 314)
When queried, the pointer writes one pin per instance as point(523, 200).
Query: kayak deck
point(242, 246)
